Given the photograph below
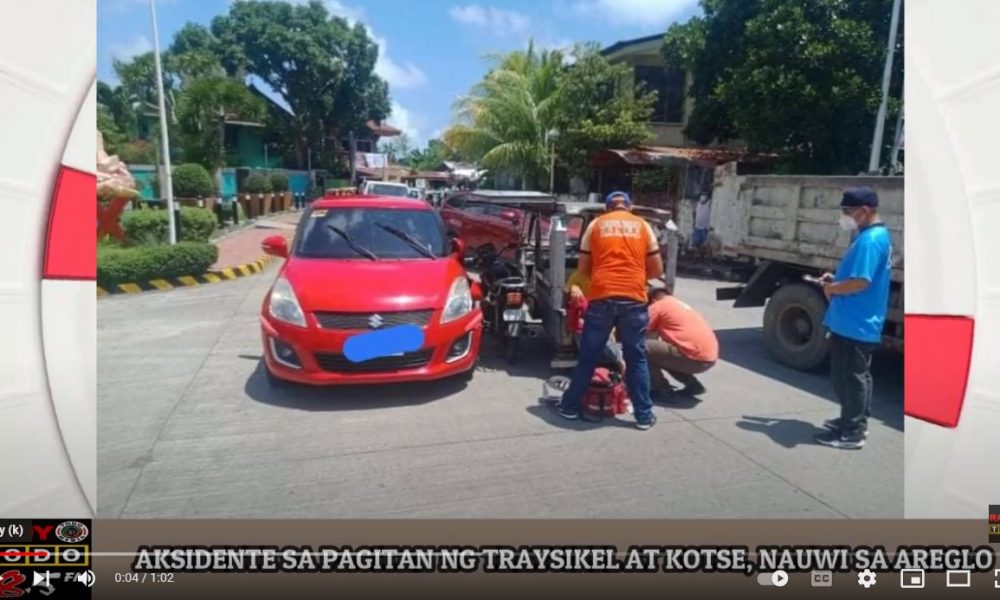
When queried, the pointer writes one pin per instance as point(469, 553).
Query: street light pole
point(550, 137)
point(876, 153)
point(164, 134)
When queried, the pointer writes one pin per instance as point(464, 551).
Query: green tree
point(115, 101)
point(205, 106)
point(597, 108)
point(431, 157)
point(397, 149)
point(321, 67)
point(505, 120)
point(799, 78)
point(113, 136)
point(193, 54)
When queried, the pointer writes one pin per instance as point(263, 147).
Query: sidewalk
point(243, 247)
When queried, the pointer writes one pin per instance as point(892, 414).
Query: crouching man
point(681, 343)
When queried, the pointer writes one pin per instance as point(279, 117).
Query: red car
point(481, 217)
point(365, 264)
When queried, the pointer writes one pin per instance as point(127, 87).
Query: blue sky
point(430, 50)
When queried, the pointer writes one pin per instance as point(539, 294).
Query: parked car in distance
point(361, 265)
point(385, 188)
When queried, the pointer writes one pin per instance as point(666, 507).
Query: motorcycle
point(506, 302)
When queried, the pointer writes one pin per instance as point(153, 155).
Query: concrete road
point(188, 427)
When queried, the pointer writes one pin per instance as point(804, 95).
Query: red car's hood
point(363, 285)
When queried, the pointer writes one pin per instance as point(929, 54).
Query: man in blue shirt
point(859, 297)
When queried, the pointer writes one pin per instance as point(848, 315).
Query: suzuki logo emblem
point(375, 321)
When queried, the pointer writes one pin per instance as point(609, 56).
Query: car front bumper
point(319, 353)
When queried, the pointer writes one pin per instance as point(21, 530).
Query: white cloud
point(399, 75)
point(634, 12)
point(351, 13)
point(407, 122)
point(497, 20)
point(135, 45)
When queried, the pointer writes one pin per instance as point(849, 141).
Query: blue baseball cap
point(610, 199)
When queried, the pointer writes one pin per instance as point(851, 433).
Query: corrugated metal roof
point(661, 155)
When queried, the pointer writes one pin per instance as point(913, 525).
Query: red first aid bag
point(606, 396)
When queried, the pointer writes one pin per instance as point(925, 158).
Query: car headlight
point(459, 301)
point(284, 306)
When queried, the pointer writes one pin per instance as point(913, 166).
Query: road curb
point(185, 281)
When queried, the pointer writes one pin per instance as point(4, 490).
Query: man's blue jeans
point(631, 319)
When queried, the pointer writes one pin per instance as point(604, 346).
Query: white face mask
point(847, 223)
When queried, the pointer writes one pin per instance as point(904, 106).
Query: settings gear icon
point(866, 578)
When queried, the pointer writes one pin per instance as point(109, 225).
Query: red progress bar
point(14, 554)
point(72, 233)
point(936, 362)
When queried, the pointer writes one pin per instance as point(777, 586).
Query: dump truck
point(784, 228)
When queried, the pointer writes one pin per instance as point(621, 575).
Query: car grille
point(338, 363)
point(352, 320)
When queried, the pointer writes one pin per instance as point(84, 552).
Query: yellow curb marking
point(228, 274)
point(130, 288)
point(161, 284)
point(187, 280)
point(212, 278)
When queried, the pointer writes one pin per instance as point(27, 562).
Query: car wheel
point(793, 327)
point(510, 349)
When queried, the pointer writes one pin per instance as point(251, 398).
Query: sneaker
point(834, 425)
point(644, 425)
point(567, 413)
point(834, 439)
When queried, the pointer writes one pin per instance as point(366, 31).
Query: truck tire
point(793, 327)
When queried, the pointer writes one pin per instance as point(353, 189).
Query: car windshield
point(383, 189)
point(385, 233)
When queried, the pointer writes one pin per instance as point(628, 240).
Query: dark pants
point(664, 356)
point(631, 319)
point(850, 372)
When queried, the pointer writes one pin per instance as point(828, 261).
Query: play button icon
point(779, 579)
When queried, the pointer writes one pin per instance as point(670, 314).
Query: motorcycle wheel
point(510, 346)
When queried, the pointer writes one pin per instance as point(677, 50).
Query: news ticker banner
point(45, 557)
point(598, 558)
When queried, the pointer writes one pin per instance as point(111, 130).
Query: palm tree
point(505, 120)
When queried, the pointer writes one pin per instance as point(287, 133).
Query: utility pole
point(353, 157)
point(164, 134)
point(898, 143)
point(876, 153)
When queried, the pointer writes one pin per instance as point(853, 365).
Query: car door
point(475, 222)
point(451, 214)
point(502, 225)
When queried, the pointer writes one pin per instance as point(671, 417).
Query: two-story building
point(670, 148)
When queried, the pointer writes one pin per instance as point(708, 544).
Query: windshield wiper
point(409, 239)
point(353, 244)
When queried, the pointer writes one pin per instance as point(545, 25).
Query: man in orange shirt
point(619, 253)
point(684, 344)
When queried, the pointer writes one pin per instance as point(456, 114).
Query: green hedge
point(256, 183)
point(144, 263)
point(279, 182)
point(192, 180)
point(148, 227)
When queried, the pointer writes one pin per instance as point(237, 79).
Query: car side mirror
point(275, 245)
point(458, 246)
point(477, 291)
